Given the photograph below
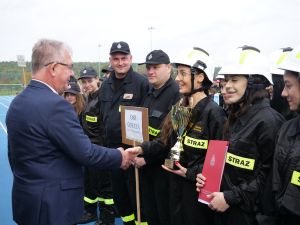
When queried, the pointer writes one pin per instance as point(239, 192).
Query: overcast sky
point(215, 25)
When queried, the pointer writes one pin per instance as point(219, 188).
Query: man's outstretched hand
point(128, 157)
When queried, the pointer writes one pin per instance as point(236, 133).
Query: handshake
point(129, 156)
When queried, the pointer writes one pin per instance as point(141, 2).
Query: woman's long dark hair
point(251, 96)
point(78, 106)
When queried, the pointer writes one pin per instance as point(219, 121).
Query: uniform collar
point(202, 103)
point(253, 110)
point(157, 92)
point(94, 94)
point(294, 130)
point(127, 78)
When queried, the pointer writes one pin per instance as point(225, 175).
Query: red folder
point(213, 168)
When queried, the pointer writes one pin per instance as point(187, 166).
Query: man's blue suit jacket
point(46, 150)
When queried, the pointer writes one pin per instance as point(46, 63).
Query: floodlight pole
point(150, 30)
point(99, 45)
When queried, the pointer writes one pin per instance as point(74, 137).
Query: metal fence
point(10, 89)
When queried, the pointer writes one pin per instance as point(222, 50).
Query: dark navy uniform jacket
point(286, 174)
point(91, 118)
point(131, 93)
point(159, 102)
point(46, 148)
point(250, 154)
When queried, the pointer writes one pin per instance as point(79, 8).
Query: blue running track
point(5, 172)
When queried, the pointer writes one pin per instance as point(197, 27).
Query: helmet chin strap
point(193, 91)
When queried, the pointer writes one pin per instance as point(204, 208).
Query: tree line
point(10, 73)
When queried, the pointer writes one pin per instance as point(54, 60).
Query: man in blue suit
point(47, 147)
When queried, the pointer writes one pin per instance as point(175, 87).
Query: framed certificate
point(134, 125)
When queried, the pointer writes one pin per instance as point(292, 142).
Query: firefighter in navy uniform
point(278, 102)
point(194, 76)
point(123, 87)
point(98, 191)
point(286, 169)
point(251, 129)
point(163, 93)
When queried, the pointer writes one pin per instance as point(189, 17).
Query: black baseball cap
point(120, 46)
point(73, 79)
point(87, 72)
point(107, 69)
point(74, 88)
point(157, 57)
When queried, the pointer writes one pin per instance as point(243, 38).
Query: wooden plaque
point(134, 125)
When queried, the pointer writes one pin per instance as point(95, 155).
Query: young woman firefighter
point(278, 102)
point(286, 169)
point(74, 96)
point(98, 193)
point(194, 77)
point(251, 129)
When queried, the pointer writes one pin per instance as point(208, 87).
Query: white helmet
point(247, 60)
point(292, 61)
point(220, 77)
point(277, 58)
point(196, 58)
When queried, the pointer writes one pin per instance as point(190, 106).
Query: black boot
point(100, 222)
point(107, 215)
point(88, 217)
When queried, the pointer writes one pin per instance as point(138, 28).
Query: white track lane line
point(6, 106)
point(3, 127)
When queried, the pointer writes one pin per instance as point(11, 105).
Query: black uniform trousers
point(98, 191)
point(235, 216)
point(155, 188)
point(123, 186)
point(184, 201)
